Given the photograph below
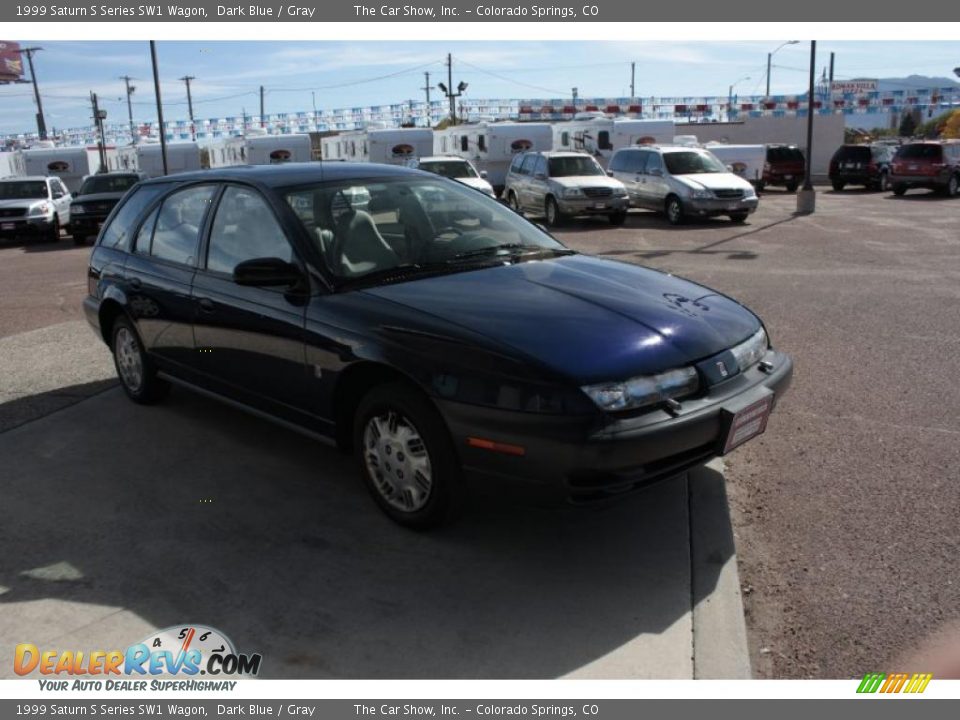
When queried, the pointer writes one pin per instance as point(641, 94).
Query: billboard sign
point(11, 64)
point(854, 86)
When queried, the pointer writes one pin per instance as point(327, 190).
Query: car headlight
point(749, 352)
point(749, 193)
point(77, 209)
point(572, 192)
point(41, 209)
point(702, 194)
point(619, 192)
point(644, 390)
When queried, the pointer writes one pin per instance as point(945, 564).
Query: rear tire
point(406, 457)
point(899, 190)
point(79, 239)
point(953, 186)
point(138, 376)
point(838, 185)
point(674, 210)
point(551, 212)
point(883, 185)
point(618, 218)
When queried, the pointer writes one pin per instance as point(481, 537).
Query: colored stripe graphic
point(914, 683)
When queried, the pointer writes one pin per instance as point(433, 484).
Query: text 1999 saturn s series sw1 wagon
point(427, 328)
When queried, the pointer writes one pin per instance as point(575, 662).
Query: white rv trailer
point(348, 146)
point(744, 160)
point(397, 146)
point(260, 149)
point(490, 146)
point(181, 157)
point(601, 136)
point(71, 164)
point(11, 164)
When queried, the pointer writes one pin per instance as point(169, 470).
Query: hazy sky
point(354, 74)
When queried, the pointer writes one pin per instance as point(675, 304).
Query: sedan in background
point(455, 168)
point(432, 332)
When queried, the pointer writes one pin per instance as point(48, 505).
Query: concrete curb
point(720, 648)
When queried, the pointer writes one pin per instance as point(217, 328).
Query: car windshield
point(574, 166)
point(107, 184)
point(389, 229)
point(919, 152)
point(691, 162)
point(24, 190)
point(449, 169)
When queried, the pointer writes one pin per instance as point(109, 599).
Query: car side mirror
point(729, 168)
point(655, 171)
point(609, 173)
point(57, 195)
point(267, 272)
point(483, 174)
point(539, 176)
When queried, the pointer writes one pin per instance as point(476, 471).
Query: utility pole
point(98, 116)
point(41, 123)
point(313, 100)
point(263, 121)
point(574, 93)
point(130, 89)
point(156, 89)
point(633, 73)
point(830, 86)
point(193, 129)
point(427, 87)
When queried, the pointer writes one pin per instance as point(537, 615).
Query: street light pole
point(41, 123)
point(770, 61)
point(130, 89)
point(806, 198)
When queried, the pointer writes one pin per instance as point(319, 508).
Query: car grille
point(728, 194)
point(103, 207)
point(12, 212)
point(598, 192)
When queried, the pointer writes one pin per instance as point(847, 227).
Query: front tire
point(406, 457)
point(883, 185)
point(79, 239)
point(513, 203)
point(792, 186)
point(740, 217)
point(899, 190)
point(674, 210)
point(137, 375)
point(53, 234)
point(953, 186)
point(551, 213)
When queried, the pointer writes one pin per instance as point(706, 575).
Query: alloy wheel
point(397, 460)
point(129, 359)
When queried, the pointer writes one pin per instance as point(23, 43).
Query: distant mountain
point(913, 82)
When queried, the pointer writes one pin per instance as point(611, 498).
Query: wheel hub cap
point(398, 462)
point(129, 362)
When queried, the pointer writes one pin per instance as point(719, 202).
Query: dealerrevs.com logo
point(184, 651)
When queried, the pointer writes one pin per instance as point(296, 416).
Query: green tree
point(908, 126)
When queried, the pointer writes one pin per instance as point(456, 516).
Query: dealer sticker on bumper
point(748, 422)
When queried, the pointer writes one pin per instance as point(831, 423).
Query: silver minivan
point(558, 185)
point(682, 182)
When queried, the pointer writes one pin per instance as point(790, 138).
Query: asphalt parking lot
point(844, 512)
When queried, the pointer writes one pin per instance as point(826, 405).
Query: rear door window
point(245, 228)
point(118, 232)
point(177, 231)
point(528, 162)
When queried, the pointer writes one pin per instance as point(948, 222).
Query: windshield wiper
point(517, 248)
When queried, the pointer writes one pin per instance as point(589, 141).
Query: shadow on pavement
point(194, 512)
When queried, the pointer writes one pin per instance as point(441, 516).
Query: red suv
point(932, 165)
point(785, 166)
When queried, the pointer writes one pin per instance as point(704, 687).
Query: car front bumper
point(581, 459)
point(593, 206)
point(717, 206)
point(22, 226)
point(86, 223)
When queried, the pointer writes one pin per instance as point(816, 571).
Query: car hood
point(588, 319)
point(579, 181)
point(714, 181)
point(98, 198)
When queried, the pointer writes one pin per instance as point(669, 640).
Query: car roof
point(558, 153)
point(442, 158)
point(662, 148)
point(291, 173)
point(29, 178)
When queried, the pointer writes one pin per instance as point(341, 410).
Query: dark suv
point(930, 165)
point(94, 201)
point(785, 166)
point(867, 165)
point(433, 331)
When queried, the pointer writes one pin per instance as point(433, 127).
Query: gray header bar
point(313, 11)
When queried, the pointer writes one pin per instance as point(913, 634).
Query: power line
point(361, 81)
point(559, 93)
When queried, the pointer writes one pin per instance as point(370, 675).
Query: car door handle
point(135, 283)
point(205, 305)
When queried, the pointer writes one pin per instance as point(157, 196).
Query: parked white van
point(743, 160)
